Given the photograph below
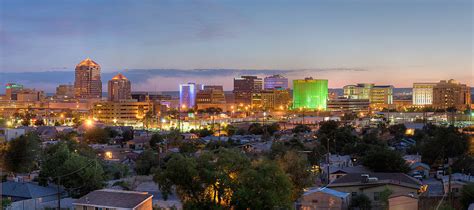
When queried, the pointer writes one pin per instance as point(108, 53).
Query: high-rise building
point(11, 91)
point(378, 95)
point(87, 83)
point(447, 94)
point(211, 96)
point(423, 94)
point(310, 93)
point(244, 87)
point(119, 88)
point(272, 99)
point(64, 92)
point(275, 82)
point(187, 94)
point(359, 91)
point(381, 95)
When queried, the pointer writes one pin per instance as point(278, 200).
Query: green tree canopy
point(96, 135)
point(21, 154)
point(385, 161)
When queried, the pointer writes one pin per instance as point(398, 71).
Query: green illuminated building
point(310, 93)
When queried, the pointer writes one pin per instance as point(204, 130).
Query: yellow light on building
point(108, 155)
point(410, 132)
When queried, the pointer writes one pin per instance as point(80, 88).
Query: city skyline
point(346, 42)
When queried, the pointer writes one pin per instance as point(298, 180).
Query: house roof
point(383, 178)
point(327, 191)
point(348, 170)
point(26, 190)
point(113, 198)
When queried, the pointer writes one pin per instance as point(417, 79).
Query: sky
point(394, 42)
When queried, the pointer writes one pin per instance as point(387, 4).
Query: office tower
point(359, 91)
point(11, 91)
point(121, 113)
point(448, 94)
point(349, 105)
point(187, 94)
point(64, 91)
point(423, 94)
point(379, 95)
point(244, 87)
point(272, 99)
point(275, 82)
point(119, 88)
point(211, 96)
point(310, 93)
point(30, 95)
point(87, 83)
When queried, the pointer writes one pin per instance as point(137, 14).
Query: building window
point(315, 201)
point(376, 196)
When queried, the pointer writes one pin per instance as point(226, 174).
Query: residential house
point(458, 180)
point(323, 198)
point(114, 199)
point(420, 168)
point(374, 184)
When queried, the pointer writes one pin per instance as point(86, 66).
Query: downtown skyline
point(346, 42)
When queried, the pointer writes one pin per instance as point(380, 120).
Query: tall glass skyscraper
point(310, 93)
point(87, 83)
point(275, 82)
point(187, 94)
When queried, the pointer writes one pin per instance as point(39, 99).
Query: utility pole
point(327, 157)
point(59, 194)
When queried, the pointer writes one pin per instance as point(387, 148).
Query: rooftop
point(113, 198)
point(26, 190)
point(385, 178)
point(87, 62)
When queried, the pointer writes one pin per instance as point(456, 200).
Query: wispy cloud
point(160, 79)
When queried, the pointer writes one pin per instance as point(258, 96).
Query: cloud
point(159, 79)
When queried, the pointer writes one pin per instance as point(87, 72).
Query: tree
point(155, 140)
point(271, 129)
point(398, 131)
point(385, 161)
point(205, 132)
point(22, 153)
point(263, 186)
point(96, 135)
point(296, 166)
point(441, 143)
point(111, 132)
point(301, 129)
point(230, 130)
point(338, 138)
point(146, 162)
point(115, 170)
point(78, 174)
point(127, 135)
point(255, 129)
point(362, 202)
point(39, 122)
point(467, 195)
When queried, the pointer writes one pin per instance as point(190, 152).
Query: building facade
point(87, 83)
point(187, 94)
point(359, 91)
point(120, 88)
point(448, 94)
point(380, 96)
point(275, 82)
point(349, 105)
point(272, 99)
point(11, 91)
point(64, 92)
point(423, 94)
point(310, 93)
point(121, 113)
point(244, 87)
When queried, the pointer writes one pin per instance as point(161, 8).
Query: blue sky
point(391, 41)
